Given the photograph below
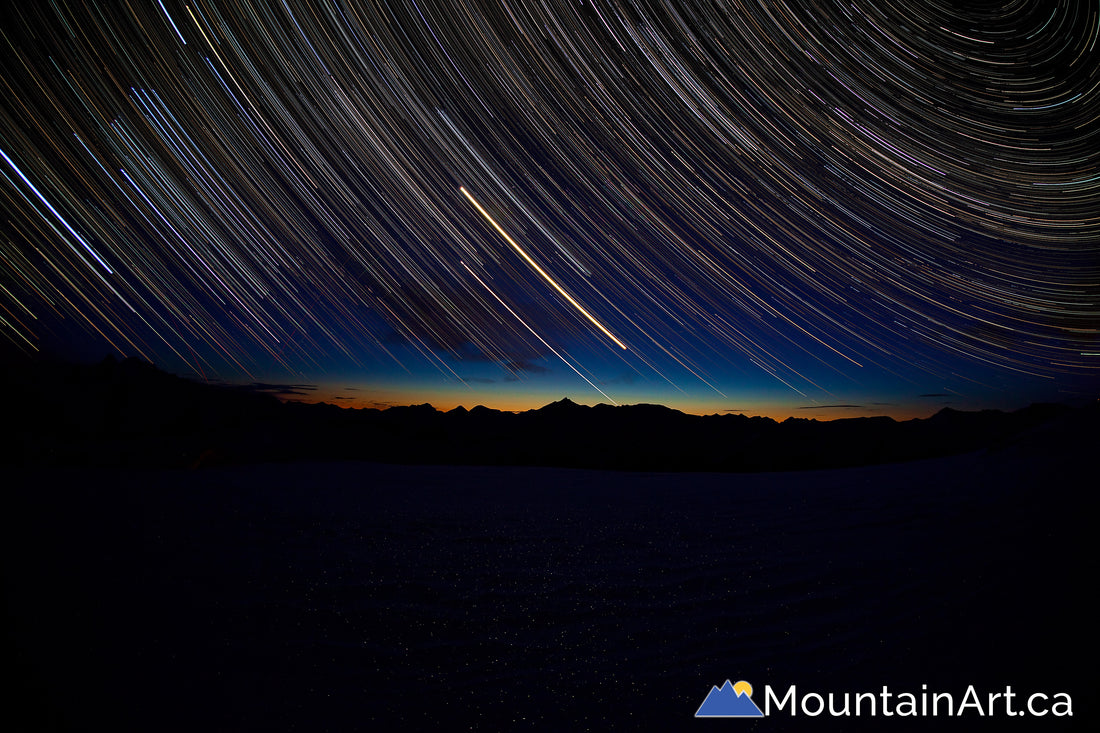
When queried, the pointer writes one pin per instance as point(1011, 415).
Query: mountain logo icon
point(729, 701)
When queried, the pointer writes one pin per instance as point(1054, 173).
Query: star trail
point(715, 205)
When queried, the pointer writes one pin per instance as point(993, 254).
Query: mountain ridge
point(130, 413)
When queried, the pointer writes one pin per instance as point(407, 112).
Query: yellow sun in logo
point(743, 687)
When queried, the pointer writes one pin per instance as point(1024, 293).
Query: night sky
point(818, 209)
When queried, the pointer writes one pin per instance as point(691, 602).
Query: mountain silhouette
point(130, 413)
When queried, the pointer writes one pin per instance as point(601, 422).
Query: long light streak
point(539, 270)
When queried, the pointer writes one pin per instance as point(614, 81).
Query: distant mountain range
point(129, 413)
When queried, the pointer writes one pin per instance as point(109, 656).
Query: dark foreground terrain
point(343, 595)
point(181, 557)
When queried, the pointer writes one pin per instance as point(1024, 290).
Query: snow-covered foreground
point(341, 595)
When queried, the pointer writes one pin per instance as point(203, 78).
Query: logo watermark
point(735, 701)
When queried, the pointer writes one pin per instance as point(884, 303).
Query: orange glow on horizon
point(447, 400)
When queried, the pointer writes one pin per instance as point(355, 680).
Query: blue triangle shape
point(724, 702)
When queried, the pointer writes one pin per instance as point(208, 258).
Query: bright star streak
point(539, 270)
